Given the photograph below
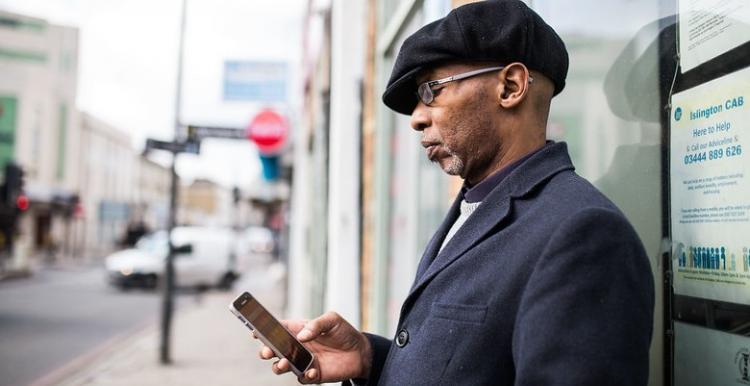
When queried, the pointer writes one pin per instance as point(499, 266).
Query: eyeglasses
point(426, 94)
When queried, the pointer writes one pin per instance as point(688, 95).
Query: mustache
point(427, 143)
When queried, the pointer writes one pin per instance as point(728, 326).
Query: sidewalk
point(209, 345)
point(38, 262)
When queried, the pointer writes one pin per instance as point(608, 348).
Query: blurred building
point(89, 189)
point(152, 195)
point(109, 183)
point(204, 202)
point(39, 129)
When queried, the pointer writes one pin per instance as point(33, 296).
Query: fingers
point(318, 326)
point(281, 366)
point(310, 376)
point(266, 353)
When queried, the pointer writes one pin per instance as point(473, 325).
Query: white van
point(204, 257)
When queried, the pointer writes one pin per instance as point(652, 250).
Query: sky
point(128, 66)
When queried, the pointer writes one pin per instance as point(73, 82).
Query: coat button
point(402, 338)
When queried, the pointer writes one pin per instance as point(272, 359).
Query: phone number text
point(729, 151)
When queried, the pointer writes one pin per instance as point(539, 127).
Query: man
point(534, 278)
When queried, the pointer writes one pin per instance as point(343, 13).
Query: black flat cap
point(498, 31)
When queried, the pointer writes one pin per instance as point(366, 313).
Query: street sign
point(255, 81)
point(268, 130)
point(197, 133)
point(173, 147)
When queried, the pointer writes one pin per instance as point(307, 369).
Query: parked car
point(255, 240)
point(204, 257)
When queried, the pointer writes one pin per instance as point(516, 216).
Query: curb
point(79, 363)
point(15, 274)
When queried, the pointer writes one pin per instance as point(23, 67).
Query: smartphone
point(272, 333)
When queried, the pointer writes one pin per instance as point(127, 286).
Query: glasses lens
point(425, 93)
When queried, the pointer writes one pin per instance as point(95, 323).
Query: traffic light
point(12, 189)
point(12, 202)
point(22, 202)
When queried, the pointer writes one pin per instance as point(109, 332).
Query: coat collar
point(478, 192)
point(533, 172)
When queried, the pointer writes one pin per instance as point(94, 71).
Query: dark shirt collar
point(477, 193)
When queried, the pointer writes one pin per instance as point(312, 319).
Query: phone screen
point(273, 331)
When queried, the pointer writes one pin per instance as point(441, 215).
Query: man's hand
point(341, 352)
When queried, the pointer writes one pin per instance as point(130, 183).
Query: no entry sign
point(268, 130)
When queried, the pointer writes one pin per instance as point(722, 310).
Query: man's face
point(458, 128)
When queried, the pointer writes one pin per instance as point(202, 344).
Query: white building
point(203, 202)
point(152, 195)
point(39, 129)
point(109, 181)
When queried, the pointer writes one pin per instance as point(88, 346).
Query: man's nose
point(420, 117)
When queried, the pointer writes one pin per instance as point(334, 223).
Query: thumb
point(321, 325)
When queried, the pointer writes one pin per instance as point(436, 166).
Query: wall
point(109, 185)
point(38, 61)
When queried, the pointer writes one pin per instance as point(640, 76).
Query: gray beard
point(456, 164)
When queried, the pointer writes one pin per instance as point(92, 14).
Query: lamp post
point(168, 285)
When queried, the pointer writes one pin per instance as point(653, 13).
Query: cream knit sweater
point(466, 210)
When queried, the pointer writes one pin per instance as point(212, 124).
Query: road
point(57, 315)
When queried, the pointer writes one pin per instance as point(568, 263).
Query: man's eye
point(436, 91)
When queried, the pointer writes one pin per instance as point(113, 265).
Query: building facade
point(205, 203)
point(152, 195)
point(365, 201)
point(39, 130)
point(109, 184)
point(86, 182)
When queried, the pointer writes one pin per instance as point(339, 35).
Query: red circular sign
point(22, 202)
point(268, 130)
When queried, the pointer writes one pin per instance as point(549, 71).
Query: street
point(209, 346)
point(58, 315)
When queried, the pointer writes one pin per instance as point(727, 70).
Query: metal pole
point(168, 285)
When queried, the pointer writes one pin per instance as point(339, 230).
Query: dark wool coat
point(545, 284)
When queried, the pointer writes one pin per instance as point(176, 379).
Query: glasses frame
point(426, 94)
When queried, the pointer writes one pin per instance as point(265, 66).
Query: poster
point(709, 28)
point(710, 189)
point(706, 357)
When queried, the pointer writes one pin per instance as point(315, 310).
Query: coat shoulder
point(567, 193)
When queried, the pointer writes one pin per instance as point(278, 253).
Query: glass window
point(415, 195)
point(610, 114)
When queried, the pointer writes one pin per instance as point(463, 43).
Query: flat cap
point(497, 31)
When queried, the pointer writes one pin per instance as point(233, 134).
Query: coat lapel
point(437, 239)
point(481, 222)
point(493, 210)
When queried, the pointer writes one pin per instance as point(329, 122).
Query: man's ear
point(513, 85)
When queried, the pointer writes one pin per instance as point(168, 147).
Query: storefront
point(655, 114)
point(410, 195)
point(638, 118)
